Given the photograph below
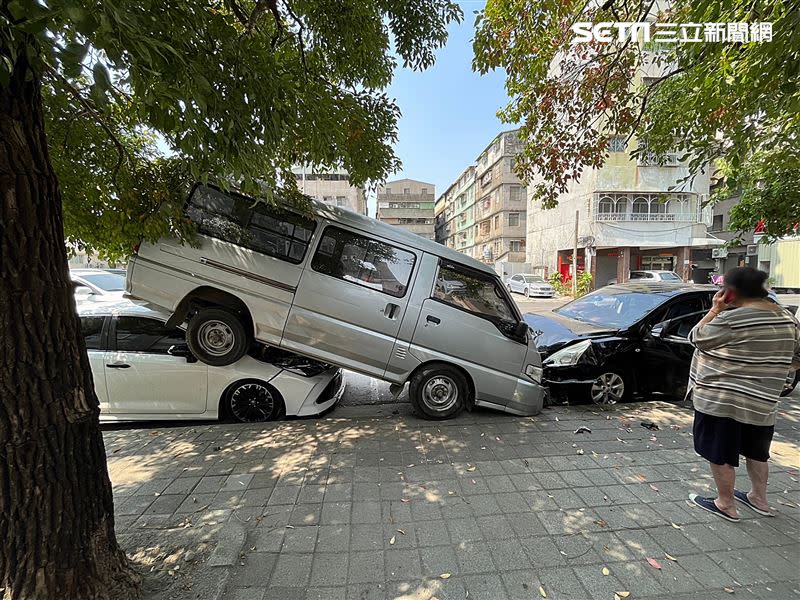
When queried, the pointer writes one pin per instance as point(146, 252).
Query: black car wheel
point(252, 402)
point(527, 292)
point(609, 388)
point(217, 337)
point(510, 291)
point(438, 392)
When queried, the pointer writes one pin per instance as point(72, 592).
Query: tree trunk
point(56, 509)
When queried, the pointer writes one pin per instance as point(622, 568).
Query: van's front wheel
point(438, 392)
point(217, 337)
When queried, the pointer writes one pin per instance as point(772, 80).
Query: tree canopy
point(143, 97)
point(735, 105)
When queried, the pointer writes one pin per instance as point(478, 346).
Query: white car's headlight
point(568, 356)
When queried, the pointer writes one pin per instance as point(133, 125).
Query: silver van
point(348, 290)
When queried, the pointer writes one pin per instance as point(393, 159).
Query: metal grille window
point(513, 219)
point(617, 143)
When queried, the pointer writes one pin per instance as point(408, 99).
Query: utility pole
point(575, 257)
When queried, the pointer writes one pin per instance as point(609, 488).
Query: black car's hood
point(552, 331)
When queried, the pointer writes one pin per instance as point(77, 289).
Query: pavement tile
point(508, 555)
point(329, 569)
point(284, 494)
point(433, 533)
point(242, 593)
point(306, 514)
point(292, 570)
point(522, 584)
point(335, 513)
point(369, 591)
point(333, 538)
point(366, 536)
point(366, 567)
point(402, 564)
point(327, 593)
point(300, 539)
point(562, 583)
point(599, 586)
point(474, 557)
point(464, 530)
point(256, 570)
point(366, 512)
point(437, 560)
point(496, 527)
point(485, 586)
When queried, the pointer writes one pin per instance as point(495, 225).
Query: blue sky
point(448, 111)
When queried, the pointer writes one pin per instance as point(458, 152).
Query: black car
point(620, 341)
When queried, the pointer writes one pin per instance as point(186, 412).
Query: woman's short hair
point(747, 282)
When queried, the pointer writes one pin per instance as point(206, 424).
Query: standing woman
point(744, 348)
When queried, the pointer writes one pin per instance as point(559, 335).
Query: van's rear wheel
point(438, 392)
point(217, 337)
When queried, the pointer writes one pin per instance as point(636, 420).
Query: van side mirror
point(520, 330)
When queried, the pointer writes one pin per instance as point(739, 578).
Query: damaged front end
point(289, 361)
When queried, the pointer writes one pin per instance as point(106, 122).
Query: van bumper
point(527, 400)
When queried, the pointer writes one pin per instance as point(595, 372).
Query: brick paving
point(487, 506)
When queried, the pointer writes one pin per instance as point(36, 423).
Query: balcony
point(610, 207)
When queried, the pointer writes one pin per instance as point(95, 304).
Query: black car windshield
point(610, 308)
point(110, 282)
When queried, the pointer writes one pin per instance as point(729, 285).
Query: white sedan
point(530, 285)
point(143, 370)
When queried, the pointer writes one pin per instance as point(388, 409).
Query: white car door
point(515, 283)
point(92, 328)
point(142, 377)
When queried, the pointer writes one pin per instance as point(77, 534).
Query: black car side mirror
point(659, 329)
point(182, 350)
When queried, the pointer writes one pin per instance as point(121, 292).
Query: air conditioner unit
point(719, 253)
point(752, 250)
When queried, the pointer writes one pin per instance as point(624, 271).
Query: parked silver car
point(348, 290)
point(530, 285)
point(97, 285)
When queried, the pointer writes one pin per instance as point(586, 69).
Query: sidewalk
point(368, 505)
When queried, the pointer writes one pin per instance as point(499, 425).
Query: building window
point(516, 245)
point(388, 190)
point(717, 223)
point(516, 193)
point(424, 191)
point(617, 143)
point(406, 190)
point(341, 201)
point(640, 209)
point(486, 179)
point(513, 219)
point(497, 222)
point(648, 158)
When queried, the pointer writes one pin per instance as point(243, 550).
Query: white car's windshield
point(670, 276)
point(533, 279)
point(611, 309)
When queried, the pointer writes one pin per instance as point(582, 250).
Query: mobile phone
point(728, 296)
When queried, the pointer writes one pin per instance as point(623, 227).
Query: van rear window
point(251, 224)
point(364, 261)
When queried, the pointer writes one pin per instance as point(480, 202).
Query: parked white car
point(666, 276)
point(530, 285)
point(97, 285)
point(143, 370)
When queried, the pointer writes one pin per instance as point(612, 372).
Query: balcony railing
point(650, 217)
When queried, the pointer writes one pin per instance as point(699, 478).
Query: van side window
point(472, 291)
point(364, 261)
point(217, 214)
point(278, 233)
point(254, 225)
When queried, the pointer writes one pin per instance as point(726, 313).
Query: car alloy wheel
point(508, 285)
point(440, 393)
point(252, 403)
point(609, 388)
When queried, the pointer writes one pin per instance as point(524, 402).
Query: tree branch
point(92, 110)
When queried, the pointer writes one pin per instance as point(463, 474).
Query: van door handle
point(118, 365)
point(432, 319)
point(390, 310)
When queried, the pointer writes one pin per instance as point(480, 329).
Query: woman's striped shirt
point(741, 361)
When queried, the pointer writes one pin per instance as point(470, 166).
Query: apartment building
point(455, 214)
point(331, 187)
point(633, 214)
point(409, 204)
point(499, 211)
